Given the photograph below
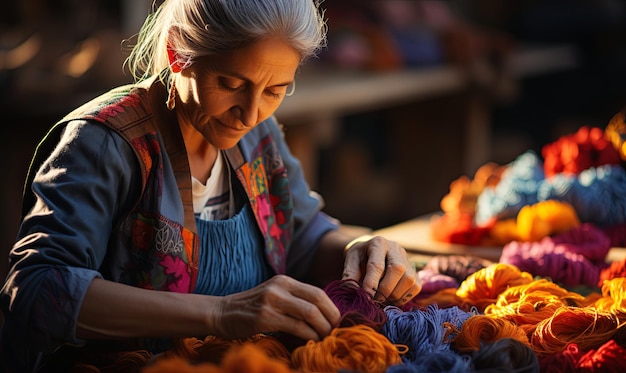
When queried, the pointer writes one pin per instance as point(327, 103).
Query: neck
point(200, 153)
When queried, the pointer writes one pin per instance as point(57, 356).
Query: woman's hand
point(382, 268)
point(281, 304)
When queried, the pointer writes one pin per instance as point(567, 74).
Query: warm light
point(80, 60)
point(18, 56)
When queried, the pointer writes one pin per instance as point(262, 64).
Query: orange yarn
point(613, 298)
point(587, 327)
point(213, 349)
point(529, 304)
point(357, 348)
point(545, 218)
point(246, 357)
point(616, 133)
point(483, 287)
point(480, 329)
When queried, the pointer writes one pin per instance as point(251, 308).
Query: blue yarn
point(598, 194)
point(516, 189)
point(437, 362)
point(231, 257)
point(422, 331)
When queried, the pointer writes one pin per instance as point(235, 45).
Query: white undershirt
point(213, 200)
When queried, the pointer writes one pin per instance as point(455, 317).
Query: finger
point(394, 273)
point(321, 302)
point(284, 322)
point(406, 289)
point(375, 269)
point(352, 267)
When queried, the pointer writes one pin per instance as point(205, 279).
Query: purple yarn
point(433, 281)
point(544, 258)
point(355, 305)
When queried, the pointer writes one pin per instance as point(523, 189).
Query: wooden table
point(414, 235)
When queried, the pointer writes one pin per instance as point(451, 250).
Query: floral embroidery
point(176, 269)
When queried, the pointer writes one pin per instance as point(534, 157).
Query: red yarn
point(561, 362)
point(616, 269)
point(458, 228)
point(610, 357)
point(571, 154)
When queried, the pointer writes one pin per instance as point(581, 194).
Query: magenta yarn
point(355, 305)
point(616, 234)
point(544, 258)
point(587, 240)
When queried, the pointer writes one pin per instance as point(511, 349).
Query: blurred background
point(407, 96)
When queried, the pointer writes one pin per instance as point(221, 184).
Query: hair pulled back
point(194, 28)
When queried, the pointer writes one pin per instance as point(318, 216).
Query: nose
point(247, 111)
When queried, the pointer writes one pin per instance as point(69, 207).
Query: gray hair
point(194, 28)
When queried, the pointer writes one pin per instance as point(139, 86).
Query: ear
point(177, 64)
point(173, 59)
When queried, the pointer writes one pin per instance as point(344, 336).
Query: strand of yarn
point(359, 348)
point(527, 305)
point(613, 298)
point(480, 329)
point(483, 287)
point(587, 327)
point(423, 331)
point(355, 305)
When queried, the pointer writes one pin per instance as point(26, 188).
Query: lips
point(232, 128)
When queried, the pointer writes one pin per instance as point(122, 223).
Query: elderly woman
point(173, 208)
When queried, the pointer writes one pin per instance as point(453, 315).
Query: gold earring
point(171, 97)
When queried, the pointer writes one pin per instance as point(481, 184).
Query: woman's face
point(223, 97)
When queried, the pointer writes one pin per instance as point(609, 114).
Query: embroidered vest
point(156, 252)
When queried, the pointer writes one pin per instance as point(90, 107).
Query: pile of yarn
point(500, 317)
point(579, 178)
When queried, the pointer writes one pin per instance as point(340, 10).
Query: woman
point(173, 208)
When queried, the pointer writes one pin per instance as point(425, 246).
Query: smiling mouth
point(232, 128)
